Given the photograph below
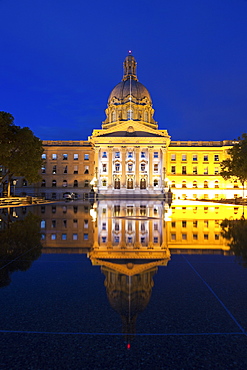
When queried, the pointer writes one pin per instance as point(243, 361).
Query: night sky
point(61, 59)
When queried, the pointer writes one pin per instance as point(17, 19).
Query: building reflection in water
point(131, 239)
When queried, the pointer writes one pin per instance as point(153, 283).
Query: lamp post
point(14, 183)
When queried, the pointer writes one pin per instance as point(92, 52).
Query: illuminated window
point(195, 170)
point(205, 171)
point(205, 158)
point(117, 154)
point(42, 224)
point(43, 156)
point(85, 236)
point(64, 236)
point(104, 155)
point(184, 157)
point(43, 169)
point(130, 167)
point(142, 154)
point(54, 157)
point(194, 184)
point(173, 157)
point(184, 184)
point(86, 157)
point(85, 224)
point(53, 236)
point(216, 184)
point(54, 170)
point(216, 170)
point(104, 182)
point(117, 167)
point(54, 183)
point(216, 158)
point(75, 236)
point(76, 157)
point(65, 157)
point(156, 154)
point(205, 184)
point(194, 157)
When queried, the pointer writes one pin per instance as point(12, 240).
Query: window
point(86, 170)
point(130, 184)
point(205, 208)
point(86, 183)
point(142, 167)
point(173, 224)
point(156, 240)
point(173, 157)
point(65, 170)
point(195, 223)
point(129, 114)
point(156, 167)
point(205, 171)
point(86, 157)
point(156, 183)
point(145, 116)
point(130, 154)
point(75, 209)
point(103, 239)
point(116, 239)
point(85, 224)
point(216, 184)
point(216, 170)
point(235, 184)
point(216, 236)
point(53, 236)
point(65, 223)
point(206, 224)
point(64, 236)
point(205, 184)
point(117, 154)
point(43, 183)
point(194, 184)
point(205, 236)
point(143, 239)
point(205, 158)
point(75, 236)
point(43, 156)
point(75, 170)
point(173, 170)
point(184, 184)
point(104, 155)
point(183, 170)
point(104, 182)
point(130, 167)
point(42, 224)
point(173, 236)
point(195, 170)
point(64, 209)
point(43, 169)
point(184, 157)
point(54, 157)
point(216, 158)
point(53, 223)
point(54, 170)
point(54, 183)
point(104, 167)
point(194, 157)
point(173, 184)
point(184, 236)
point(155, 226)
point(117, 167)
point(76, 157)
point(85, 236)
point(65, 157)
point(184, 223)
point(65, 183)
point(75, 183)
point(116, 226)
point(156, 154)
point(103, 226)
point(142, 154)
point(24, 182)
point(195, 237)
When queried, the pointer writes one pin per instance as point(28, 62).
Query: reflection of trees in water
point(128, 296)
point(236, 232)
point(19, 246)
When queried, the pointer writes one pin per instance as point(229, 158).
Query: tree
point(20, 151)
point(236, 165)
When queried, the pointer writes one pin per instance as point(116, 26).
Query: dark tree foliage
point(20, 245)
point(236, 165)
point(236, 232)
point(20, 150)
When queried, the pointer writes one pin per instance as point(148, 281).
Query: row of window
point(129, 115)
point(194, 170)
point(195, 157)
point(130, 167)
point(131, 240)
point(65, 157)
point(65, 183)
point(54, 223)
point(195, 223)
point(64, 236)
point(184, 236)
point(143, 226)
point(205, 184)
point(65, 170)
point(130, 183)
point(130, 154)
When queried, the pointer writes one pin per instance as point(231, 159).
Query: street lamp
point(14, 183)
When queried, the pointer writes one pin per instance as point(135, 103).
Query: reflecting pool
point(123, 285)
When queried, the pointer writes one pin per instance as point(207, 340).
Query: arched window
point(117, 183)
point(143, 167)
point(113, 116)
point(156, 182)
point(104, 182)
point(216, 184)
point(43, 183)
point(129, 114)
point(184, 184)
point(194, 184)
point(65, 183)
point(54, 183)
point(130, 184)
point(117, 167)
point(130, 167)
point(75, 183)
point(145, 116)
point(143, 184)
point(205, 184)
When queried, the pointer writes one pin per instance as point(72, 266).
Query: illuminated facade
point(131, 157)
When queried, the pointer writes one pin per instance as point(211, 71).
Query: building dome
point(129, 99)
point(130, 87)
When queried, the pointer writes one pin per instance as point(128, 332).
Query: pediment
point(130, 129)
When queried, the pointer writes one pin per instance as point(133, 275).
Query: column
point(97, 164)
point(137, 167)
point(163, 166)
point(150, 169)
point(123, 154)
point(110, 168)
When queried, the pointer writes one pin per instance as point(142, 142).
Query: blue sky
point(61, 59)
